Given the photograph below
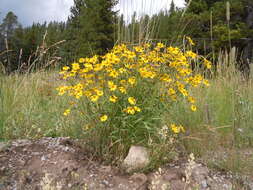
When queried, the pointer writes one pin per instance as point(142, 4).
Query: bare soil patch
point(61, 163)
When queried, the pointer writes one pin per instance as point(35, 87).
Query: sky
point(30, 11)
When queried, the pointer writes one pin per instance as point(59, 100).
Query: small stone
point(43, 158)
point(137, 158)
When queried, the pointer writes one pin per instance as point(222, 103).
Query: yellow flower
point(122, 70)
point(98, 67)
point(81, 60)
point(132, 80)
point(99, 92)
point(130, 110)
point(207, 63)
point(171, 91)
point(137, 109)
point(113, 98)
point(177, 129)
point(174, 128)
point(122, 89)
point(191, 100)
point(191, 54)
point(206, 82)
point(65, 68)
point(112, 86)
point(160, 45)
point(208, 66)
point(62, 90)
point(87, 93)
point(146, 73)
point(78, 94)
point(183, 91)
point(123, 82)
point(103, 118)
point(190, 41)
point(94, 98)
point(138, 49)
point(66, 112)
point(131, 100)
point(146, 45)
point(193, 108)
point(75, 66)
point(88, 66)
point(114, 74)
point(165, 78)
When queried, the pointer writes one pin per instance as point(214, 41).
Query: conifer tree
point(92, 25)
point(172, 7)
point(10, 23)
point(236, 31)
point(7, 29)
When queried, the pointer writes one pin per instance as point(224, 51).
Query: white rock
point(137, 158)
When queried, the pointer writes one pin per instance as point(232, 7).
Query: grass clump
point(124, 97)
point(29, 106)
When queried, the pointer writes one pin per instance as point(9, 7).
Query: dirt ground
point(62, 164)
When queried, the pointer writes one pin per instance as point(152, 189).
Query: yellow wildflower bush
point(126, 93)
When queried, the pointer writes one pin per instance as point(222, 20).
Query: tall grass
point(138, 25)
point(30, 107)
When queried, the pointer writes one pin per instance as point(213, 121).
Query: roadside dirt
point(62, 164)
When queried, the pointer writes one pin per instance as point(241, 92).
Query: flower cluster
point(119, 77)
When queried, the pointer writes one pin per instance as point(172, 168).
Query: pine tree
point(172, 7)
point(237, 32)
point(7, 29)
point(92, 25)
point(10, 23)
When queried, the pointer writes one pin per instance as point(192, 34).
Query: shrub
point(124, 97)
